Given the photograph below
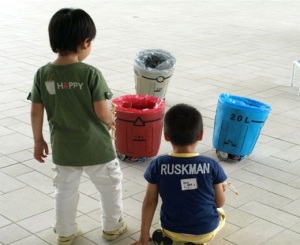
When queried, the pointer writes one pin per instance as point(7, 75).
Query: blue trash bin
point(237, 125)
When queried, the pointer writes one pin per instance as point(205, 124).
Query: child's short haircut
point(68, 28)
point(183, 124)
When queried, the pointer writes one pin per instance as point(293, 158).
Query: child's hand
point(111, 126)
point(142, 241)
point(40, 151)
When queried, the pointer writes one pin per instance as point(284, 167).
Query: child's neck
point(66, 59)
point(184, 149)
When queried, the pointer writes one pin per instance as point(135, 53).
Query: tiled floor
point(239, 47)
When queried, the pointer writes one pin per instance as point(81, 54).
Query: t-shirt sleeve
point(99, 88)
point(151, 173)
point(35, 95)
point(218, 173)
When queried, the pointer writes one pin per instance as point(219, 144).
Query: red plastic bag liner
point(138, 103)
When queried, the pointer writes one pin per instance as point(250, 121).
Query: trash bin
point(153, 69)
point(237, 126)
point(139, 122)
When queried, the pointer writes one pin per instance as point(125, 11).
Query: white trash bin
point(153, 69)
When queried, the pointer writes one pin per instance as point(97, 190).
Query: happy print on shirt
point(51, 88)
point(69, 85)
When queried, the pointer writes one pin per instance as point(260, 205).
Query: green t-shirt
point(78, 137)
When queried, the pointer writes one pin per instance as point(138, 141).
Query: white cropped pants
point(107, 180)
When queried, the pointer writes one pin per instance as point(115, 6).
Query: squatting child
point(74, 96)
point(190, 185)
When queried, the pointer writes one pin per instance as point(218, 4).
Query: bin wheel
point(223, 156)
point(121, 156)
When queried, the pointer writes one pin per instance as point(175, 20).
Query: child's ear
point(85, 44)
point(166, 137)
point(200, 136)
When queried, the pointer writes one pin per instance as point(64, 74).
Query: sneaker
point(159, 238)
point(112, 235)
point(61, 240)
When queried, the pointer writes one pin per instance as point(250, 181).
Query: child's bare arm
point(104, 113)
point(40, 145)
point(148, 210)
point(219, 194)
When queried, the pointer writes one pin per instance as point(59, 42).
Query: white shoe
point(112, 235)
point(61, 240)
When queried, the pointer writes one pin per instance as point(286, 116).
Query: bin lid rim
point(244, 102)
point(159, 104)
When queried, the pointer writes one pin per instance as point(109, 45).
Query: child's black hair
point(183, 124)
point(68, 28)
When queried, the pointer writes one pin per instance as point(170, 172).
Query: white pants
point(107, 179)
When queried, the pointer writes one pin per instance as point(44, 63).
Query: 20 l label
point(239, 118)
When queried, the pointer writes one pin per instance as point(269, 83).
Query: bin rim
point(169, 64)
point(244, 103)
point(118, 103)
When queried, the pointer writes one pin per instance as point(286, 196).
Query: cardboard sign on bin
point(139, 122)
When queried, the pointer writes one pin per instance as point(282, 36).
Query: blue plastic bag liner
point(243, 103)
point(238, 123)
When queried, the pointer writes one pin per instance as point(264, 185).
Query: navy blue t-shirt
point(185, 185)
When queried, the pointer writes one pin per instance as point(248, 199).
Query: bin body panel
point(138, 134)
point(236, 129)
point(152, 83)
point(153, 69)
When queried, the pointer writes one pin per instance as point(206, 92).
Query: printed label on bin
point(139, 122)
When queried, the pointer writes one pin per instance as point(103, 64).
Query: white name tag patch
point(189, 184)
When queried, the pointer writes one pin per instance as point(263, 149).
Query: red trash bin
point(139, 122)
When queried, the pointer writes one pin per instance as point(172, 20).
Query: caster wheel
point(121, 156)
point(223, 156)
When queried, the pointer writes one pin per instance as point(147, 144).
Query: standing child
point(191, 186)
point(74, 96)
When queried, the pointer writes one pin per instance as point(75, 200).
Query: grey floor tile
point(16, 169)
point(38, 222)
point(277, 187)
point(295, 183)
point(47, 235)
point(255, 233)
point(37, 181)
point(273, 200)
point(274, 162)
point(87, 204)
point(293, 207)
point(240, 218)
point(8, 183)
point(4, 221)
point(30, 240)
point(247, 193)
point(14, 143)
point(6, 161)
point(12, 233)
point(23, 203)
point(285, 237)
point(270, 214)
point(222, 234)
point(271, 173)
point(21, 155)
